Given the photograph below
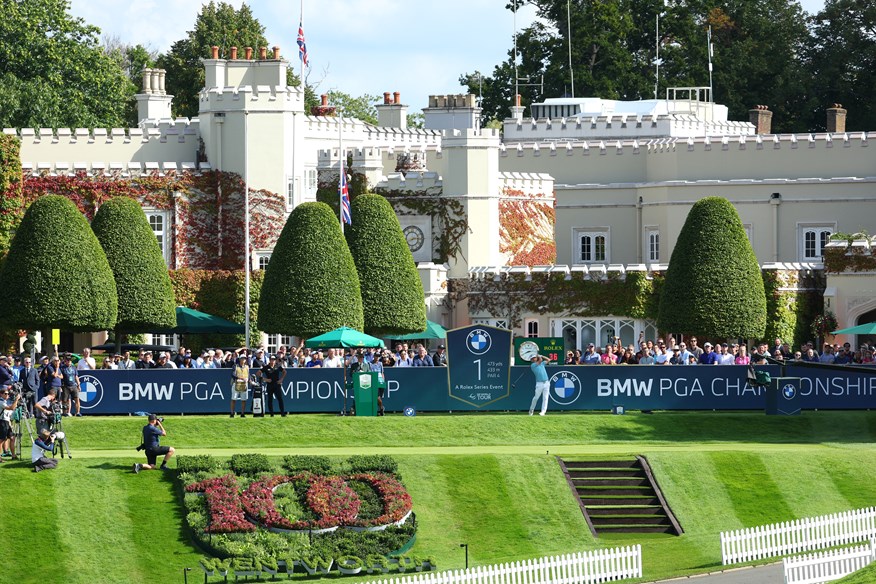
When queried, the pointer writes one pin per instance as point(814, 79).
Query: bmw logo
point(565, 388)
point(478, 341)
point(90, 391)
point(789, 391)
point(410, 412)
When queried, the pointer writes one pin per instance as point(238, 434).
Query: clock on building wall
point(415, 237)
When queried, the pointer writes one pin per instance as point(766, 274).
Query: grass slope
point(490, 481)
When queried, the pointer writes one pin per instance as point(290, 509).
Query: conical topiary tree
point(145, 294)
point(56, 275)
point(713, 285)
point(392, 293)
point(310, 284)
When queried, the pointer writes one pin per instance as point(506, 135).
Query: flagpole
point(246, 223)
point(300, 25)
point(341, 175)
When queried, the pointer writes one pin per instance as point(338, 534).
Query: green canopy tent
point(343, 337)
point(433, 331)
point(868, 328)
point(191, 321)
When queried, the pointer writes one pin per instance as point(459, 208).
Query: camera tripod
point(20, 417)
point(56, 424)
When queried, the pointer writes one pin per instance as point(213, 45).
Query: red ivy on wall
point(527, 229)
point(207, 220)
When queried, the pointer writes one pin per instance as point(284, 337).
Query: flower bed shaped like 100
point(228, 516)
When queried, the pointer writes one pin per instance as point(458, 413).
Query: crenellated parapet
point(165, 130)
point(276, 98)
point(527, 185)
point(357, 131)
point(621, 127)
point(413, 182)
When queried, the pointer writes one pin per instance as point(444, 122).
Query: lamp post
point(465, 545)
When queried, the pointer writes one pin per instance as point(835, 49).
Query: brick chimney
point(836, 119)
point(761, 118)
point(392, 113)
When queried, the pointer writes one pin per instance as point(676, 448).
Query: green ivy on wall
point(792, 304)
point(11, 205)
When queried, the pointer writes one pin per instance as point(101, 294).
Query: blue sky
point(416, 47)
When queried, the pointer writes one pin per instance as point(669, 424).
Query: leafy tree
point(362, 107)
point(219, 24)
point(53, 71)
point(56, 275)
point(310, 284)
point(842, 62)
point(713, 286)
point(132, 59)
point(392, 293)
point(758, 44)
point(145, 294)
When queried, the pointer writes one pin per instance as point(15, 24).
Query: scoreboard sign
point(479, 364)
point(526, 348)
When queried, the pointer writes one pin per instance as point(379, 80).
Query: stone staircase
point(619, 496)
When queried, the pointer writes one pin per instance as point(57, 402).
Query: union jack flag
point(302, 47)
point(344, 193)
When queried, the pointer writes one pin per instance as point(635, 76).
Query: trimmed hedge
point(372, 463)
point(311, 285)
point(249, 465)
point(392, 293)
point(56, 275)
point(197, 463)
point(319, 465)
point(713, 286)
point(146, 300)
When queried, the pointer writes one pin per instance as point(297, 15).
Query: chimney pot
point(233, 53)
point(761, 118)
point(386, 98)
point(214, 51)
point(324, 99)
point(248, 53)
point(836, 119)
point(517, 100)
point(147, 80)
point(263, 53)
point(396, 98)
point(276, 50)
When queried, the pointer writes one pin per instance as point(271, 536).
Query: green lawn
point(488, 480)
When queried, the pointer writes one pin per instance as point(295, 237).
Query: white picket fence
point(828, 566)
point(581, 568)
point(795, 537)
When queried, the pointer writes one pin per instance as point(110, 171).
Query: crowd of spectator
point(669, 352)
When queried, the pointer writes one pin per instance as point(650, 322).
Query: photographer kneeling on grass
point(44, 444)
point(152, 433)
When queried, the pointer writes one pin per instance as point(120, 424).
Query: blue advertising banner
point(426, 389)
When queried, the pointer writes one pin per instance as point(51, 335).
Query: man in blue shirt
point(708, 357)
point(542, 384)
point(152, 433)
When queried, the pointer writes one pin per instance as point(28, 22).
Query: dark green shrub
point(197, 463)
point(392, 293)
point(146, 301)
point(310, 285)
point(372, 463)
point(319, 465)
point(249, 465)
point(713, 285)
point(56, 275)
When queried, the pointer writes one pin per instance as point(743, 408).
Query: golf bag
point(258, 396)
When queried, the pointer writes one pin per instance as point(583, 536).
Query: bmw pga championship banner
point(428, 389)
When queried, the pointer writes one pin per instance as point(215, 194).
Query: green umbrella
point(433, 331)
point(862, 329)
point(191, 321)
point(343, 337)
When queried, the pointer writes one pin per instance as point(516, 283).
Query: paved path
point(770, 574)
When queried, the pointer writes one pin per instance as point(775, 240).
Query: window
point(159, 339)
point(263, 258)
point(747, 228)
point(577, 333)
point(158, 221)
point(652, 245)
point(532, 328)
point(290, 191)
point(812, 239)
point(276, 341)
point(591, 246)
point(312, 182)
